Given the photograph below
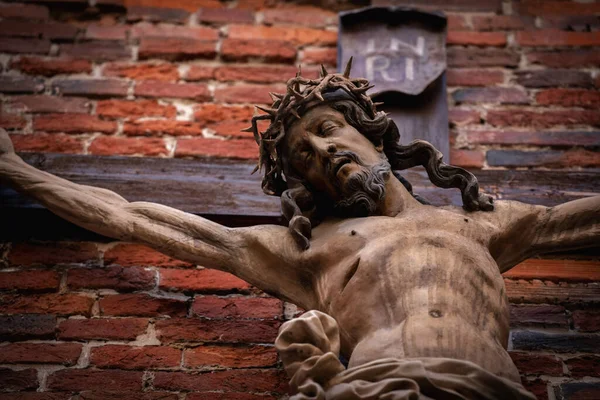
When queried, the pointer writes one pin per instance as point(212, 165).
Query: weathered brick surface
point(237, 380)
point(535, 138)
point(176, 48)
point(116, 277)
point(474, 77)
point(134, 109)
point(162, 127)
point(49, 143)
point(140, 72)
point(577, 391)
point(51, 104)
point(97, 50)
point(20, 45)
point(497, 39)
point(537, 364)
point(587, 320)
point(300, 15)
point(108, 145)
point(51, 66)
point(18, 380)
point(582, 366)
point(200, 280)
point(178, 330)
point(128, 254)
point(142, 305)
point(40, 353)
point(24, 11)
point(554, 78)
point(20, 84)
point(245, 93)
point(320, 55)
point(565, 58)
point(208, 112)
point(29, 280)
point(267, 50)
point(557, 342)
point(91, 87)
point(230, 357)
point(71, 123)
point(102, 328)
point(87, 379)
point(303, 36)
point(225, 15)
point(237, 307)
point(569, 98)
point(538, 315)
point(192, 91)
point(26, 326)
point(157, 14)
point(128, 357)
point(60, 304)
point(491, 95)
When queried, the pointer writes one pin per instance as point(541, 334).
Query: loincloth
point(309, 348)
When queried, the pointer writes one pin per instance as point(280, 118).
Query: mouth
point(339, 164)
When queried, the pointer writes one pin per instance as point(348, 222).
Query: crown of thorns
point(301, 94)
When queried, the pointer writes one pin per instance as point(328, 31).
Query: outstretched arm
point(260, 255)
point(523, 230)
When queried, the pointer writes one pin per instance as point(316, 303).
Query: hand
point(6, 146)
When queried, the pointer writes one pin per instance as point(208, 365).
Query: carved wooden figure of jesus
point(410, 294)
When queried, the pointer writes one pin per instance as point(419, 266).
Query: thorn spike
point(324, 72)
point(248, 129)
point(269, 111)
point(348, 68)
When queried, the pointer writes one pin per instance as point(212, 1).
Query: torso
point(421, 285)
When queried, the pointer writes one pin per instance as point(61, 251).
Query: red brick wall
point(87, 320)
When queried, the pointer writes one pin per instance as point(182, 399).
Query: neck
point(397, 199)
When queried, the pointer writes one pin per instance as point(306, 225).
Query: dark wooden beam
point(225, 190)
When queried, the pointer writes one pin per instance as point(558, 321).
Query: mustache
point(352, 156)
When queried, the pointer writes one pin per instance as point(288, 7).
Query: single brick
point(501, 22)
point(53, 31)
point(101, 32)
point(301, 36)
point(463, 57)
point(209, 112)
point(230, 357)
point(573, 23)
point(60, 304)
point(156, 14)
point(567, 58)
point(537, 364)
point(554, 78)
point(48, 143)
point(577, 391)
point(113, 277)
point(167, 31)
point(162, 127)
point(538, 292)
point(474, 77)
point(320, 55)
point(25, 379)
point(142, 305)
point(229, 396)
point(111, 145)
point(587, 320)
point(72, 123)
point(102, 328)
point(176, 49)
point(237, 307)
point(556, 7)
point(538, 387)
point(467, 158)
point(192, 91)
point(259, 74)
point(22, 45)
point(97, 50)
point(88, 379)
point(141, 72)
point(225, 15)
point(27, 326)
point(12, 121)
point(20, 84)
point(51, 66)
point(547, 158)
point(200, 280)
point(555, 37)
point(177, 330)
point(237, 380)
point(300, 15)
point(467, 38)
point(125, 394)
point(91, 87)
point(52, 253)
point(496, 95)
point(129, 357)
point(463, 117)
point(234, 128)
point(546, 119)
point(129, 254)
point(133, 109)
point(557, 342)
point(30, 280)
point(201, 147)
point(35, 396)
point(40, 353)
point(51, 104)
point(581, 366)
point(555, 269)
point(29, 12)
point(569, 98)
point(535, 138)
point(200, 72)
point(538, 315)
point(247, 93)
point(267, 50)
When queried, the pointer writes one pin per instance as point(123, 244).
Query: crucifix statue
point(411, 295)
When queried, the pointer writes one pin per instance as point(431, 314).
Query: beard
point(363, 190)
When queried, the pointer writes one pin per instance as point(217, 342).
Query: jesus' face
point(334, 158)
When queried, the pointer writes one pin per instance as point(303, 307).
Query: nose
point(323, 146)
point(331, 149)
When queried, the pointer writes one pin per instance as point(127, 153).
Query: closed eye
point(327, 127)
